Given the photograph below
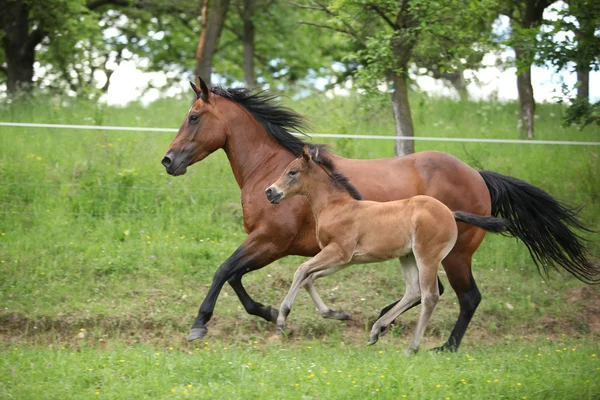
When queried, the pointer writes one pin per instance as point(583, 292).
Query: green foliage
point(582, 113)
point(386, 36)
point(574, 37)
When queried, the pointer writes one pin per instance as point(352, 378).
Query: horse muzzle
point(274, 195)
point(174, 164)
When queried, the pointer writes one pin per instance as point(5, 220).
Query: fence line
point(95, 214)
point(77, 185)
point(315, 135)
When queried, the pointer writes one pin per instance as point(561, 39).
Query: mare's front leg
point(254, 253)
point(330, 256)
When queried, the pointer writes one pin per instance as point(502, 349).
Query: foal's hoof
point(197, 333)
point(373, 339)
point(339, 315)
point(280, 331)
point(411, 351)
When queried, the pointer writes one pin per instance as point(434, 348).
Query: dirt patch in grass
point(589, 300)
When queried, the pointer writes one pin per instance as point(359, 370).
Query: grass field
point(95, 236)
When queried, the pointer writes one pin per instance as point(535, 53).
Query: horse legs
point(252, 306)
point(389, 307)
point(328, 258)
point(458, 269)
point(325, 311)
point(429, 298)
point(412, 297)
point(254, 253)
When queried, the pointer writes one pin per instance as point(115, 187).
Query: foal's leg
point(328, 257)
point(387, 308)
point(412, 297)
point(325, 311)
point(429, 297)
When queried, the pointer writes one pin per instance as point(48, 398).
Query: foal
point(420, 231)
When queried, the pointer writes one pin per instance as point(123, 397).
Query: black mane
point(337, 178)
point(277, 119)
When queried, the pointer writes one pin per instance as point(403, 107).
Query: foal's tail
point(490, 224)
point(543, 224)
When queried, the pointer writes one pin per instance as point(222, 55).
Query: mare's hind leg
point(458, 270)
point(412, 297)
point(324, 310)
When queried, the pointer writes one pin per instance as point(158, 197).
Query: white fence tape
point(314, 135)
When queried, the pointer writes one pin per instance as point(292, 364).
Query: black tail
point(543, 224)
point(490, 224)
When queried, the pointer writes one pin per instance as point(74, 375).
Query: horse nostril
point(166, 161)
point(269, 192)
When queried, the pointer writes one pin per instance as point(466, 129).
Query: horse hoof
point(272, 313)
point(373, 340)
point(280, 331)
point(339, 315)
point(411, 351)
point(444, 348)
point(197, 333)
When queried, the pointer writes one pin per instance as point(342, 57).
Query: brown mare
point(254, 133)
point(419, 231)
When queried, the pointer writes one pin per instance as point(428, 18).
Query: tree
point(387, 33)
point(526, 17)
point(213, 19)
point(75, 39)
point(578, 24)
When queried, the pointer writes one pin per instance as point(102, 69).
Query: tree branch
point(305, 6)
point(94, 4)
point(353, 34)
point(381, 13)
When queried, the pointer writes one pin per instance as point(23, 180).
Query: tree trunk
point(401, 49)
point(18, 44)
point(526, 15)
point(460, 84)
point(526, 99)
point(213, 19)
point(248, 13)
point(583, 82)
point(402, 118)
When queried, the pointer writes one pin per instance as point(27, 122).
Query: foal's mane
point(338, 179)
point(276, 119)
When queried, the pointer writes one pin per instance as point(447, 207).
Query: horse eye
point(193, 118)
point(292, 173)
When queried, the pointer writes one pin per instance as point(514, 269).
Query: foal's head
point(296, 177)
point(202, 132)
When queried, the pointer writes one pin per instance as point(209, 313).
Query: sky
point(490, 82)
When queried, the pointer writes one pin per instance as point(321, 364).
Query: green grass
point(562, 369)
point(96, 236)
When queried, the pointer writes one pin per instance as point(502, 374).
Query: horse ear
point(306, 153)
point(204, 93)
point(315, 154)
point(195, 89)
